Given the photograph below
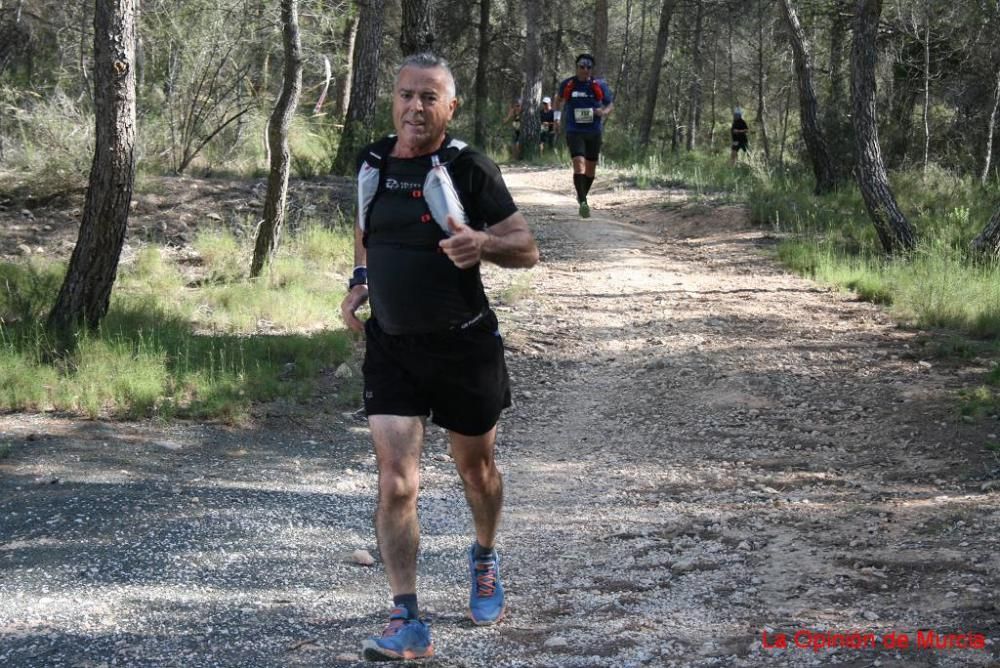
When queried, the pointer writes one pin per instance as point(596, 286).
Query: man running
point(739, 135)
point(432, 345)
point(513, 119)
point(547, 116)
point(585, 103)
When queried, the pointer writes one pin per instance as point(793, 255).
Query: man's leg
point(476, 464)
point(398, 442)
point(580, 184)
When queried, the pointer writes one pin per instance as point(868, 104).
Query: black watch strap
point(359, 277)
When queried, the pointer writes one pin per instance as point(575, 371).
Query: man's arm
point(357, 295)
point(605, 110)
point(509, 244)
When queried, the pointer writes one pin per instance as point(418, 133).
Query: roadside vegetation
point(186, 335)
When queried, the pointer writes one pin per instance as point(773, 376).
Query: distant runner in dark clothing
point(430, 210)
point(739, 134)
point(549, 126)
point(513, 119)
point(585, 102)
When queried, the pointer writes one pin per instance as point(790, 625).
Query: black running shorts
point(587, 144)
point(457, 377)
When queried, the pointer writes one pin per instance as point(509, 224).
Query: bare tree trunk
point(327, 76)
point(277, 138)
point(636, 78)
point(784, 125)
point(989, 133)
point(12, 37)
point(761, 119)
point(894, 231)
point(482, 71)
point(836, 69)
point(344, 90)
point(364, 85)
point(86, 291)
point(715, 85)
point(557, 46)
point(987, 243)
point(600, 42)
point(531, 124)
point(416, 33)
point(621, 81)
point(694, 92)
point(677, 130)
point(733, 101)
point(653, 88)
point(927, 85)
point(812, 133)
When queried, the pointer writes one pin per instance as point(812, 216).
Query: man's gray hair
point(429, 61)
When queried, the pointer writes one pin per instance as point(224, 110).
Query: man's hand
point(355, 298)
point(465, 245)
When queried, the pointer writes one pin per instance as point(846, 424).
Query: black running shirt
point(413, 287)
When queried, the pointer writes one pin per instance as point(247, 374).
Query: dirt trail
point(702, 448)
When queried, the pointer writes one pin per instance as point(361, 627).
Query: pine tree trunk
point(990, 130)
point(344, 89)
point(812, 133)
point(784, 125)
point(482, 72)
point(694, 91)
point(621, 82)
point(715, 86)
point(894, 231)
point(988, 242)
point(364, 85)
point(416, 33)
point(838, 30)
point(557, 48)
point(927, 86)
point(277, 139)
point(600, 41)
point(86, 291)
point(761, 119)
point(653, 88)
point(531, 124)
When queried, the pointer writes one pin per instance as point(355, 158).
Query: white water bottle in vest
point(441, 196)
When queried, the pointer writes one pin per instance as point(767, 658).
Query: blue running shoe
point(486, 603)
point(404, 639)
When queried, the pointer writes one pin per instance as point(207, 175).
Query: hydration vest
point(439, 191)
point(595, 86)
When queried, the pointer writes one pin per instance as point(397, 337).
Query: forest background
point(872, 158)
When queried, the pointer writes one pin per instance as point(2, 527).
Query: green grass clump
point(984, 399)
point(171, 345)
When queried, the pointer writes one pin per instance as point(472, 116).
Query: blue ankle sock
point(408, 601)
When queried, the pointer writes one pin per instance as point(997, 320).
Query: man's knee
point(479, 473)
point(398, 488)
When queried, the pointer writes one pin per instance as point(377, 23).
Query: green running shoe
point(584, 209)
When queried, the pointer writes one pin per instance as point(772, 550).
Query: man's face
point(583, 68)
point(422, 107)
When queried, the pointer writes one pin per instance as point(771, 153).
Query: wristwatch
point(359, 277)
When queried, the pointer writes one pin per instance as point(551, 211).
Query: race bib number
point(583, 115)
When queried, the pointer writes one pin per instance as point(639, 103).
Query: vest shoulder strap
point(372, 172)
